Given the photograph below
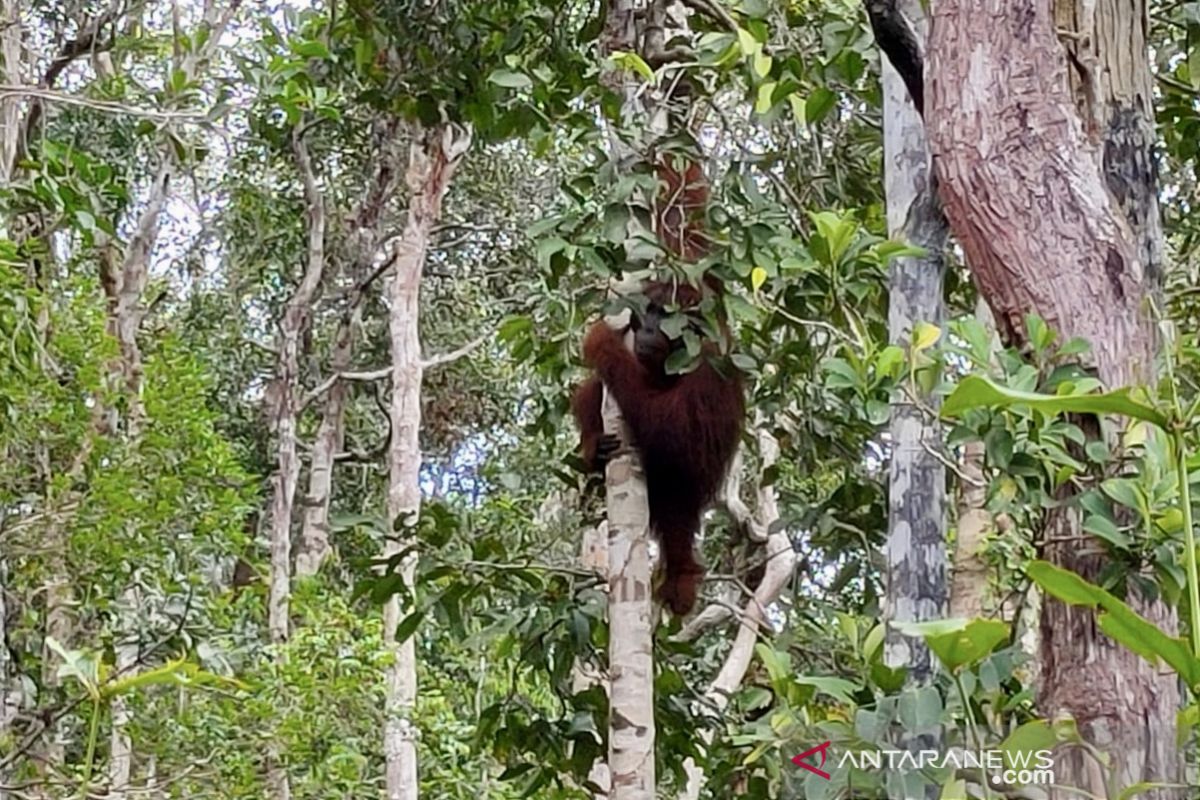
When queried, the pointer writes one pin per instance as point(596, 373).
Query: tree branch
point(454, 355)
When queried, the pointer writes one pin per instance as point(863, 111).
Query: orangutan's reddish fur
point(685, 427)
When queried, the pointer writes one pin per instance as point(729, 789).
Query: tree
point(1053, 239)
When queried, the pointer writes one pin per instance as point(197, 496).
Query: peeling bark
point(433, 159)
point(1025, 192)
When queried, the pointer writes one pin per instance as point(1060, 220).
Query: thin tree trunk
point(631, 731)
point(593, 555)
point(285, 406)
point(1025, 193)
point(916, 548)
point(313, 546)
point(12, 73)
point(433, 159)
point(969, 591)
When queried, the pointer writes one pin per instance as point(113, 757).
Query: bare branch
point(107, 106)
point(327, 384)
point(454, 355)
point(714, 11)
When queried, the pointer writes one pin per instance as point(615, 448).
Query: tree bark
point(1025, 193)
point(313, 546)
point(284, 403)
point(433, 159)
point(631, 730)
point(916, 548)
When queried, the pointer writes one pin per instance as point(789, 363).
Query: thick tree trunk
point(916, 549)
point(1114, 92)
point(1025, 193)
point(433, 159)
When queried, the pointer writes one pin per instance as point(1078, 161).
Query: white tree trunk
point(631, 617)
point(12, 73)
point(433, 159)
point(285, 402)
point(313, 546)
point(120, 762)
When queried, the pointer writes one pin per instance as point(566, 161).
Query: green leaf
point(408, 626)
point(758, 276)
point(748, 44)
point(764, 102)
point(839, 689)
point(1107, 530)
point(1119, 621)
point(762, 64)
point(976, 391)
point(1038, 734)
point(310, 49)
point(632, 62)
point(838, 232)
point(510, 79)
point(958, 642)
point(925, 336)
point(819, 103)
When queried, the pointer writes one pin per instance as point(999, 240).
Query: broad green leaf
point(839, 689)
point(310, 49)
point(763, 101)
point(1106, 529)
point(1119, 621)
point(762, 64)
point(173, 672)
point(888, 360)
point(819, 103)
point(954, 789)
point(510, 79)
point(958, 642)
point(799, 112)
point(975, 391)
point(747, 42)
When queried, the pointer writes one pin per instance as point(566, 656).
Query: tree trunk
point(1114, 92)
point(916, 549)
point(433, 158)
point(284, 404)
point(313, 546)
point(12, 73)
point(1024, 191)
point(631, 731)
